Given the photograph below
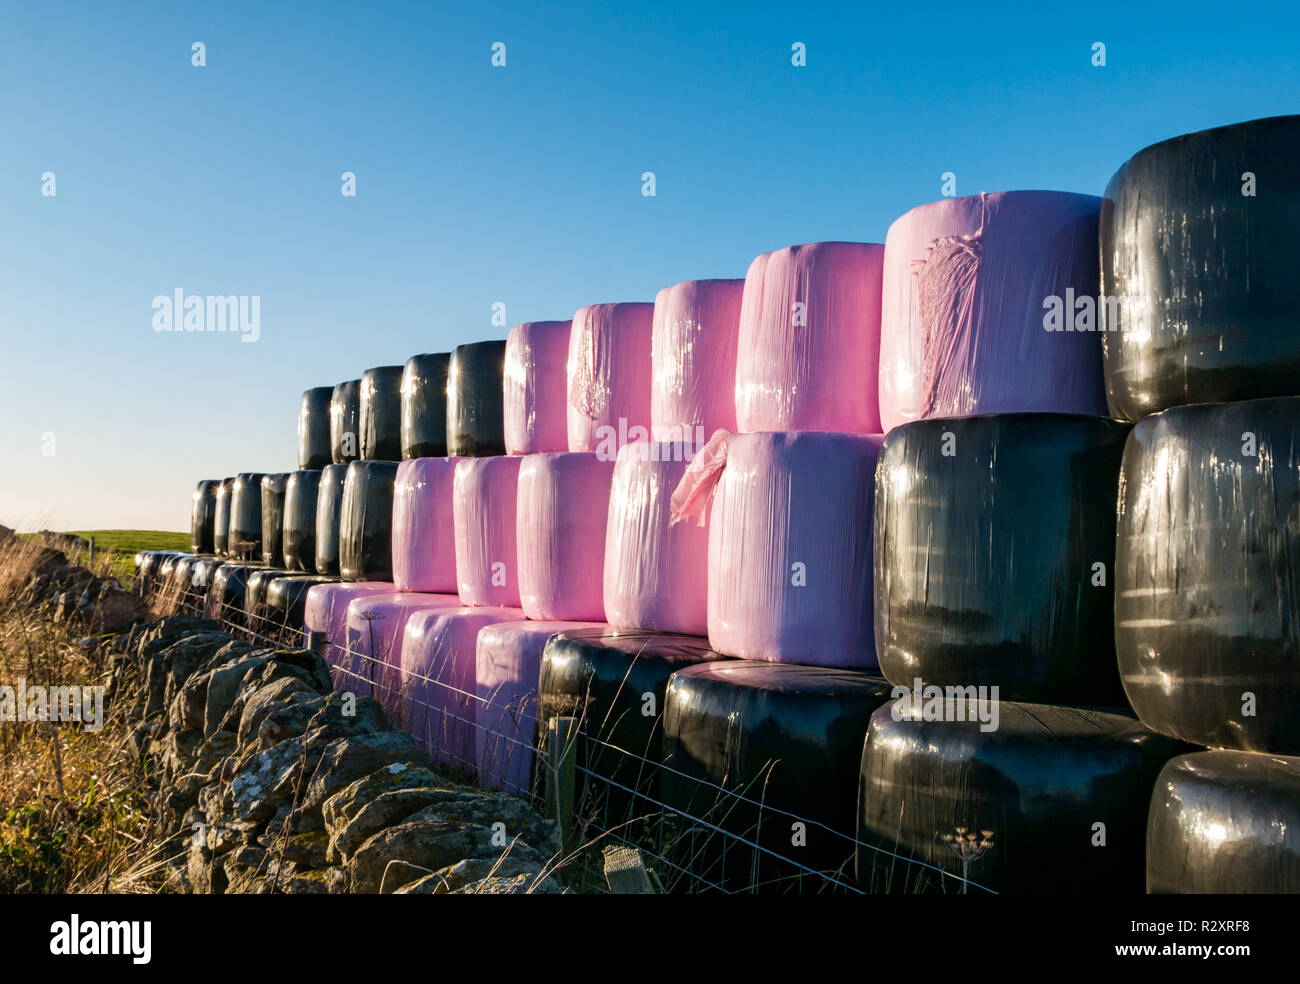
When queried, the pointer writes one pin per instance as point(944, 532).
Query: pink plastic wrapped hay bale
point(656, 573)
point(439, 699)
point(790, 538)
point(809, 343)
point(968, 284)
point(693, 359)
point(424, 528)
point(608, 373)
point(536, 381)
point(326, 610)
point(509, 665)
point(563, 509)
point(484, 496)
point(372, 662)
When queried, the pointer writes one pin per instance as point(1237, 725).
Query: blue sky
point(477, 184)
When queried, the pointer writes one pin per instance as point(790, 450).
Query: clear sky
point(477, 184)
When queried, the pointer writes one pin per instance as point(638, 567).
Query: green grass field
point(124, 544)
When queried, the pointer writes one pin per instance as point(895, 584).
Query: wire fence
point(695, 834)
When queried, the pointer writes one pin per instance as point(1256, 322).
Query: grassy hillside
point(124, 544)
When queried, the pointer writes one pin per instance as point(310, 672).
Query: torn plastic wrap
point(809, 342)
point(484, 497)
point(614, 682)
point(301, 493)
point(286, 598)
point(424, 405)
point(785, 742)
point(1207, 574)
point(246, 517)
point(203, 515)
point(366, 521)
point(968, 291)
point(608, 376)
point(994, 555)
point(1047, 799)
point(563, 509)
point(372, 663)
point(221, 518)
point(329, 507)
point(273, 494)
point(790, 549)
point(314, 446)
point(345, 424)
point(475, 393)
point(536, 410)
point(256, 608)
point(656, 573)
point(379, 414)
point(1197, 268)
point(693, 359)
point(326, 611)
point(439, 700)
point(509, 664)
point(424, 528)
point(1225, 822)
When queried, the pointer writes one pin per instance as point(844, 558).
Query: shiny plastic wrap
point(152, 563)
point(225, 598)
point(656, 573)
point(379, 414)
point(372, 663)
point(424, 527)
point(221, 518)
point(790, 549)
point(256, 609)
point(509, 664)
point(1198, 264)
point(314, 447)
point(693, 359)
point(608, 375)
point(994, 555)
point(424, 405)
point(484, 497)
point(366, 521)
point(439, 696)
point(286, 598)
point(1207, 574)
point(1053, 798)
point(181, 577)
point(203, 515)
point(809, 343)
point(475, 393)
point(326, 611)
point(202, 572)
point(1225, 822)
point(787, 740)
point(614, 682)
point(968, 292)
point(329, 507)
point(246, 517)
point(345, 423)
point(301, 493)
point(536, 410)
point(563, 508)
point(274, 488)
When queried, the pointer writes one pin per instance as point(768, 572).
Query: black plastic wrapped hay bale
point(476, 400)
point(246, 517)
point(380, 414)
point(221, 518)
point(329, 505)
point(202, 573)
point(1198, 252)
point(1207, 585)
point(424, 406)
point(314, 447)
point(273, 493)
point(301, 493)
point(203, 515)
point(152, 561)
point(614, 681)
point(1016, 808)
point(345, 425)
point(256, 610)
point(786, 736)
point(366, 521)
point(994, 555)
point(225, 600)
point(1225, 822)
point(286, 598)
